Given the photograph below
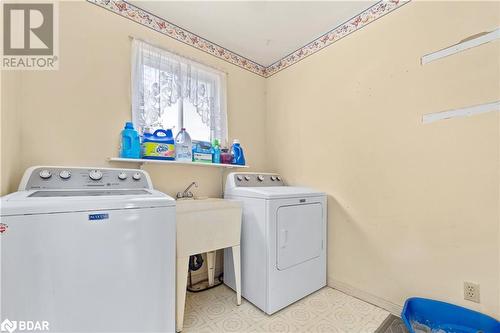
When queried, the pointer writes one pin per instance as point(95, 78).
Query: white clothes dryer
point(283, 240)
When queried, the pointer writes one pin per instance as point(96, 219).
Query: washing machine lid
point(274, 192)
point(65, 201)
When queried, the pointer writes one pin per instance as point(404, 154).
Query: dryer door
point(299, 231)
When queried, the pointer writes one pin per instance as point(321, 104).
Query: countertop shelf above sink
point(143, 161)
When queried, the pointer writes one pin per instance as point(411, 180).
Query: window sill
point(144, 161)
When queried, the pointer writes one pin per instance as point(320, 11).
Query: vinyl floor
point(327, 310)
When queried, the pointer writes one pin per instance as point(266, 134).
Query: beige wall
point(413, 208)
point(73, 116)
point(10, 135)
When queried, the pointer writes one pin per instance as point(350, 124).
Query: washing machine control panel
point(257, 179)
point(84, 178)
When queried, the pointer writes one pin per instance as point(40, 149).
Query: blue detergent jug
point(160, 145)
point(130, 143)
point(237, 152)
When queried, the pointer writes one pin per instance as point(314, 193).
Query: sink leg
point(182, 273)
point(211, 267)
point(237, 272)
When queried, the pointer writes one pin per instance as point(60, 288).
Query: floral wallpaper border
point(364, 18)
point(156, 23)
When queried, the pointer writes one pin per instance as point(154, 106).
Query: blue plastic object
point(130, 145)
point(445, 317)
point(237, 152)
point(159, 146)
point(202, 152)
point(215, 151)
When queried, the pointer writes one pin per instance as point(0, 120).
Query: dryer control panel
point(66, 178)
point(254, 179)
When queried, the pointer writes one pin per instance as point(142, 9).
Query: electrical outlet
point(471, 292)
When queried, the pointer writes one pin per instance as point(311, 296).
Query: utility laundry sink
point(205, 225)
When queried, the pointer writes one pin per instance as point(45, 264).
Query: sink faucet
point(187, 193)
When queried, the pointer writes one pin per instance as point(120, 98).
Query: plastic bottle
point(225, 156)
point(183, 146)
point(160, 145)
point(237, 152)
point(145, 135)
point(130, 142)
point(215, 151)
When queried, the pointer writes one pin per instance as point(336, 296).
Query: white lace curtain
point(161, 78)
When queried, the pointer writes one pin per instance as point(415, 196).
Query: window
point(169, 91)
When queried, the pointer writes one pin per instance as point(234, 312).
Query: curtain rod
point(131, 37)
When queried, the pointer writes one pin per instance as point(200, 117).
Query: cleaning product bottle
point(183, 146)
point(130, 143)
point(215, 151)
point(237, 152)
point(146, 133)
point(225, 156)
point(159, 146)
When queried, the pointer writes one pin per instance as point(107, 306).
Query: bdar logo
point(24, 325)
point(8, 326)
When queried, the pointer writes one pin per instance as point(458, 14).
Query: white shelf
point(144, 160)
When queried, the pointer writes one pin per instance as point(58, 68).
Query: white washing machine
point(88, 250)
point(283, 240)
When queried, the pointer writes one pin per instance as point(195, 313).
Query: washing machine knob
point(260, 178)
point(95, 175)
point(239, 178)
point(278, 178)
point(273, 178)
point(247, 178)
point(65, 174)
point(45, 174)
point(122, 176)
point(137, 176)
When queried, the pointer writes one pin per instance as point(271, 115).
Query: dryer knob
point(260, 178)
point(137, 176)
point(273, 178)
point(122, 176)
point(45, 174)
point(95, 174)
point(247, 178)
point(278, 178)
point(239, 178)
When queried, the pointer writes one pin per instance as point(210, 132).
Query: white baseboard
point(393, 308)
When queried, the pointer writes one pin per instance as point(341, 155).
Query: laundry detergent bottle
point(159, 146)
point(130, 142)
point(237, 152)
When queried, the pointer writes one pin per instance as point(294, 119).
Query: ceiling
point(262, 31)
